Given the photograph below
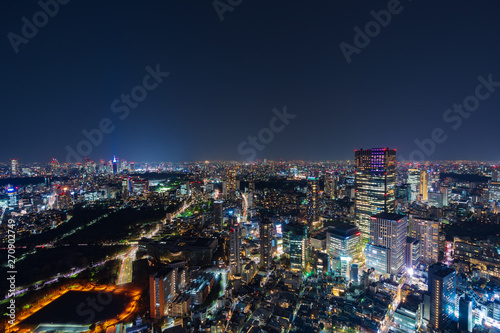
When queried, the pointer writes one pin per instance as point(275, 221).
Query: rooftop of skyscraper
point(389, 216)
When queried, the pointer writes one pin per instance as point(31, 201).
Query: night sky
point(225, 78)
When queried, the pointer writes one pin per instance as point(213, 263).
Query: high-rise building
point(375, 182)
point(126, 187)
point(115, 165)
point(355, 273)
point(424, 181)
point(414, 182)
point(13, 201)
point(343, 245)
point(235, 249)
point(331, 185)
point(218, 215)
point(427, 232)
point(312, 201)
point(161, 289)
point(231, 183)
point(465, 321)
point(388, 230)
point(442, 290)
point(377, 257)
point(14, 167)
point(295, 244)
point(266, 236)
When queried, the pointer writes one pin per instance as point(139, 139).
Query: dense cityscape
point(369, 245)
point(231, 166)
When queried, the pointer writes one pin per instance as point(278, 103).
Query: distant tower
point(295, 239)
point(265, 231)
point(442, 287)
point(375, 183)
point(331, 186)
point(14, 167)
point(231, 184)
point(218, 215)
point(235, 249)
point(424, 181)
point(413, 181)
point(312, 201)
point(115, 165)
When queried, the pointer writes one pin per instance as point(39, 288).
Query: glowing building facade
point(375, 183)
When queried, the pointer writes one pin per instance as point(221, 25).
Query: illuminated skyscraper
point(295, 243)
point(312, 201)
point(331, 185)
point(161, 289)
point(115, 165)
point(266, 236)
point(442, 289)
point(235, 249)
point(375, 182)
point(424, 181)
point(388, 230)
point(218, 211)
point(14, 167)
point(414, 182)
point(427, 232)
point(343, 245)
point(231, 184)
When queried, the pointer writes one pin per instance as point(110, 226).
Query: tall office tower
point(445, 190)
point(161, 290)
point(224, 190)
point(14, 167)
point(388, 230)
point(424, 181)
point(375, 182)
point(414, 182)
point(442, 289)
point(295, 244)
point(218, 215)
point(231, 183)
point(331, 185)
point(266, 237)
point(115, 165)
point(343, 245)
point(312, 201)
point(235, 249)
point(355, 273)
point(427, 232)
point(465, 314)
point(126, 187)
point(54, 165)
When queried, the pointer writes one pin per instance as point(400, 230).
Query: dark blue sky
point(227, 76)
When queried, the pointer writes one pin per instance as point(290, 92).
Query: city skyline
point(250, 166)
